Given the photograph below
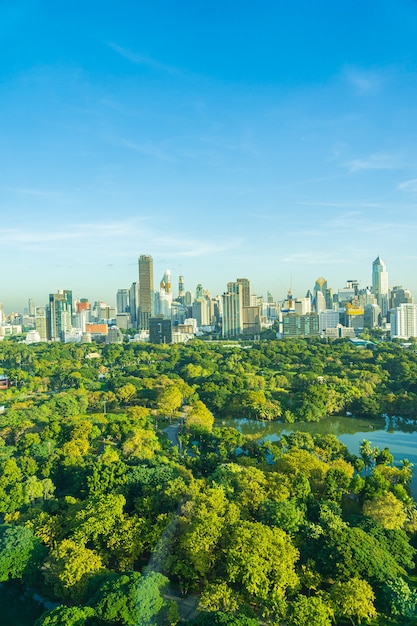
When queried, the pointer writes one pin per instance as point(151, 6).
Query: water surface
point(400, 437)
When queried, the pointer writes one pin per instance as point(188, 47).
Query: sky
point(275, 141)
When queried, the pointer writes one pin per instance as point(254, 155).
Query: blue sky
point(275, 141)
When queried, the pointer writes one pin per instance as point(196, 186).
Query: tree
point(11, 488)
point(149, 598)
point(284, 514)
point(66, 616)
point(353, 599)
point(386, 509)
point(223, 619)
point(311, 610)
point(116, 599)
point(219, 597)
point(20, 552)
point(69, 569)
point(201, 527)
point(367, 453)
point(261, 561)
point(399, 598)
point(141, 444)
point(169, 400)
point(199, 419)
point(126, 393)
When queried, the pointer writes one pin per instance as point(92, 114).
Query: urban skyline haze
point(276, 142)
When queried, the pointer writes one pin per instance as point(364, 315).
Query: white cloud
point(112, 240)
point(313, 258)
point(42, 193)
point(363, 81)
point(408, 185)
point(374, 162)
point(146, 148)
point(140, 59)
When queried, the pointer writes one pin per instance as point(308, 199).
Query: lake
point(400, 437)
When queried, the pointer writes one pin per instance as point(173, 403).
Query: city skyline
point(277, 143)
point(152, 285)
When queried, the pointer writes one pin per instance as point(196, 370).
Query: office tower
point(319, 302)
point(122, 300)
point(251, 321)
point(328, 319)
point(246, 300)
point(372, 316)
point(321, 286)
point(303, 306)
point(160, 330)
point(399, 296)
point(270, 298)
point(294, 325)
point(346, 294)
point(59, 314)
point(165, 283)
point(199, 292)
point(82, 305)
point(163, 299)
point(146, 292)
point(232, 323)
point(114, 335)
point(133, 303)
point(404, 321)
point(1, 313)
point(31, 307)
point(188, 298)
point(380, 284)
point(40, 323)
point(201, 312)
point(181, 288)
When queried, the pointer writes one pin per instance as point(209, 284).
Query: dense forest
point(122, 494)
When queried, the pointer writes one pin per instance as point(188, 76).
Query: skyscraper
point(246, 294)
point(181, 288)
point(59, 314)
point(133, 303)
point(232, 322)
point(122, 300)
point(404, 321)
point(146, 291)
point(380, 284)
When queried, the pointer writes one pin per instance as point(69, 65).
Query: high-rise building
point(82, 305)
point(246, 293)
point(404, 321)
point(160, 330)
point(251, 321)
point(232, 322)
point(201, 312)
point(399, 295)
point(163, 299)
point(181, 288)
point(300, 325)
point(122, 300)
point(133, 303)
point(41, 323)
point(59, 314)
point(380, 284)
point(146, 291)
point(31, 307)
point(372, 316)
point(165, 283)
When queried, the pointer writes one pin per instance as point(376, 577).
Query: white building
point(303, 305)
point(404, 321)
